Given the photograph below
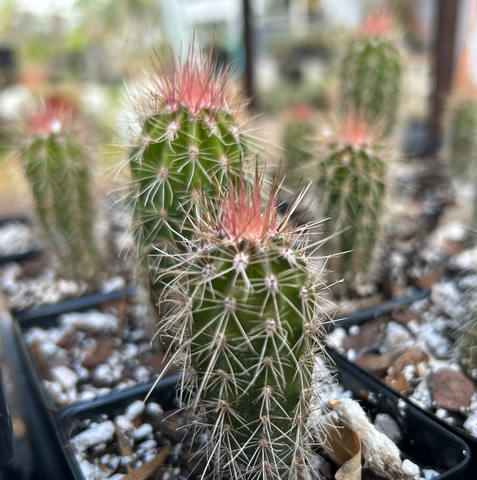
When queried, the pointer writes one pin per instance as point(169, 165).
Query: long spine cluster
point(247, 325)
point(57, 162)
point(370, 74)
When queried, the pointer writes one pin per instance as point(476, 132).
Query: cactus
point(297, 137)
point(467, 331)
point(190, 140)
point(351, 191)
point(248, 324)
point(370, 74)
point(462, 137)
point(56, 153)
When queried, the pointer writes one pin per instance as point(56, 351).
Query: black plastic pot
point(425, 442)
point(28, 317)
point(46, 317)
point(17, 256)
point(66, 421)
point(7, 446)
point(362, 316)
point(373, 313)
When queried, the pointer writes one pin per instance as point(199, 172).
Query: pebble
point(397, 338)
point(154, 409)
point(336, 337)
point(409, 468)
point(470, 425)
point(65, 376)
point(134, 410)
point(103, 432)
point(114, 283)
point(124, 424)
point(143, 431)
point(429, 474)
point(148, 445)
point(93, 321)
point(141, 374)
point(384, 423)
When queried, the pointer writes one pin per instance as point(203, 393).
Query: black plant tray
point(45, 317)
point(15, 257)
point(66, 421)
point(425, 442)
point(362, 316)
point(30, 316)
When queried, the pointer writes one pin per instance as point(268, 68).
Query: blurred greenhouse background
point(92, 50)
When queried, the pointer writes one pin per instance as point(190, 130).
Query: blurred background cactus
point(370, 73)
point(351, 191)
point(297, 143)
point(462, 137)
point(248, 322)
point(57, 154)
point(190, 141)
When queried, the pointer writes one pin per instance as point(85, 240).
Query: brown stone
point(397, 382)
point(377, 364)
point(428, 280)
point(158, 361)
point(451, 390)
point(413, 356)
point(405, 317)
point(103, 349)
point(369, 337)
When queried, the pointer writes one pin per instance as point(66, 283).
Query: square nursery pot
point(425, 442)
point(22, 253)
point(374, 313)
point(39, 407)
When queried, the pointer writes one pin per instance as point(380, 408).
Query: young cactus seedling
point(56, 152)
point(248, 323)
point(351, 192)
point(370, 73)
point(190, 138)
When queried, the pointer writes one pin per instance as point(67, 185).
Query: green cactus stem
point(351, 192)
point(56, 153)
point(190, 141)
point(370, 74)
point(248, 324)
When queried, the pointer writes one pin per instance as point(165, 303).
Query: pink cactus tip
point(242, 218)
point(301, 112)
point(378, 24)
point(51, 116)
point(194, 84)
point(355, 131)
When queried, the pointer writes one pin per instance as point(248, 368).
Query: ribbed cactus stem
point(190, 142)
point(351, 191)
point(248, 325)
point(57, 162)
point(370, 74)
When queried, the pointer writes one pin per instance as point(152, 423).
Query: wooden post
point(249, 84)
point(444, 62)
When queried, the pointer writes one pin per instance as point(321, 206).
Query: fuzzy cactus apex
point(190, 141)
point(370, 73)
point(248, 321)
point(56, 152)
point(351, 191)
